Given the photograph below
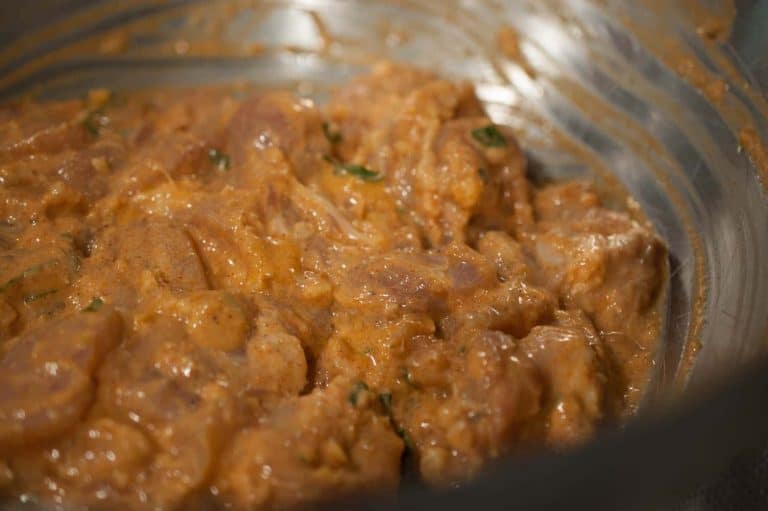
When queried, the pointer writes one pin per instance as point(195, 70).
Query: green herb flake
point(219, 159)
point(386, 402)
point(95, 305)
point(92, 123)
point(333, 136)
point(483, 173)
point(37, 296)
point(489, 136)
point(409, 445)
point(10, 283)
point(354, 394)
point(74, 265)
point(29, 272)
point(363, 173)
point(352, 169)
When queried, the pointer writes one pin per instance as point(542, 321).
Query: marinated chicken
point(254, 302)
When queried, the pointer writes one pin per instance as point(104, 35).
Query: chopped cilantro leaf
point(95, 305)
point(409, 445)
point(489, 136)
point(95, 119)
point(386, 402)
point(363, 173)
point(352, 169)
point(92, 123)
point(354, 394)
point(29, 272)
point(37, 296)
point(333, 136)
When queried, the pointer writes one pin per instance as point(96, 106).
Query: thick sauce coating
point(261, 304)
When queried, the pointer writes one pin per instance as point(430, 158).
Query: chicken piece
point(373, 99)
point(41, 129)
point(182, 395)
point(164, 159)
point(488, 182)
point(609, 266)
point(599, 260)
point(47, 375)
point(149, 254)
point(66, 183)
point(277, 120)
point(391, 284)
point(570, 355)
point(237, 250)
point(276, 355)
point(387, 300)
point(214, 319)
point(512, 307)
point(324, 445)
point(36, 275)
point(103, 457)
point(507, 254)
point(565, 201)
point(468, 402)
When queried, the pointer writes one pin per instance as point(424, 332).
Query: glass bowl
point(655, 101)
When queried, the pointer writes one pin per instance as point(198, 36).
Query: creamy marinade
point(260, 303)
